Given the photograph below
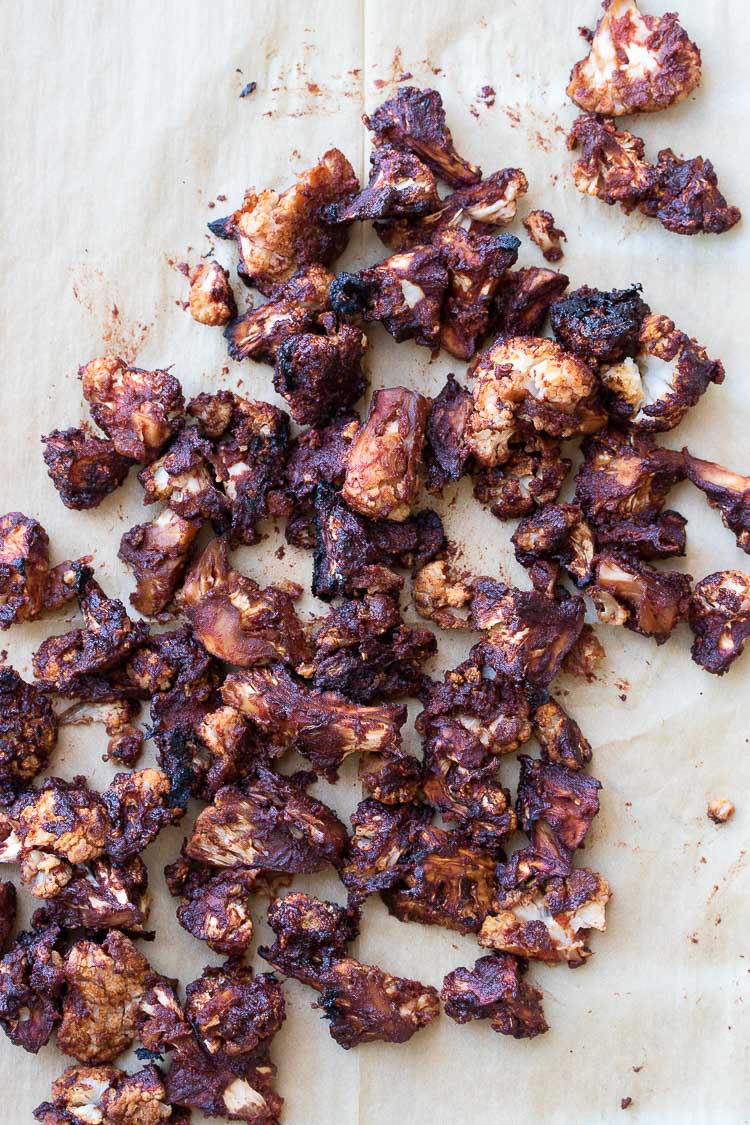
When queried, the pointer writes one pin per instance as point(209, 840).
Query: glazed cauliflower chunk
point(381, 477)
point(719, 616)
point(137, 409)
point(637, 63)
point(211, 300)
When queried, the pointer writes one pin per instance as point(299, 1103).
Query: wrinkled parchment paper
point(121, 125)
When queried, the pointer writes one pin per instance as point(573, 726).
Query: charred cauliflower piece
point(400, 186)
point(529, 478)
point(234, 618)
point(528, 633)
point(381, 475)
point(446, 455)
point(233, 1010)
point(28, 733)
point(277, 235)
point(158, 552)
point(104, 1095)
point(139, 805)
point(725, 490)
point(215, 905)
point(364, 650)
point(438, 593)
point(527, 381)
point(101, 895)
point(319, 455)
point(555, 807)
point(541, 229)
point(293, 307)
point(184, 479)
point(600, 327)
point(24, 568)
point(582, 661)
point(663, 538)
point(719, 615)
point(7, 913)
point(559, 533)
point(476, 266)
point(720, 810)
point(559, 736)
point(612, 166)
point(355, 554)
point(625, 477)
point(414, 120)
point(139, 410)
point(31, 983)
point(523, 299)
point(64, 818)
point(632, 593)
point(105, 984)
point(637, 63)
point(390, 777)
point(686, 198)
point(322, 725)
point(383, 840)
point(321, 375)
point(404, 292)
point(311, 935)
point(211, 300)
point(270, 823)
point(550, 925)
point(84, 468)
point(494, 990)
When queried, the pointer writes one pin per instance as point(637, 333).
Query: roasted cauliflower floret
point(559, 533)
point(632, 593)
point(183, 477)
point(528, 381)
point(612, 166)
point(211, 300)
point(560, 738)
point(400, 185)
point(582, 660)
point(8, 900)
point(64, 818)
point(234, 618)
point(311, 935)
point(100, 895)
point(404, 292)
point(438, 593)
point(601, 327)
point(31, 983)
point(84, 468)
point(383, 840)
point(381, 475)
point(550, 925)
point(446, 454)
point(233, 1010)
point(319, 455)
point(321, 375)
point(139, 805)
point(725, 490)
point(476, 266)
point(414, 120)
point(390, 777)
point(158, 552)
point(270, 823)
point(541, 229)
point(686, 198)
point(139, 410)
point(494, 990)
point(24, 568)
point(215, 906)
point(720, 810)
point(322, 725)
point(28, 733)
point(637, 63)
point(625, 477)
point(523, 299)
point(293, 307)
point(529, 478)
point(719, 615)
point(555, 807)
point(279, 234)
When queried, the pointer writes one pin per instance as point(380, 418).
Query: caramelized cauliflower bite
point(625, 477)
point(270, 823)
point(28, 733)
point(232, 1010)
point(292, 307)
point(530, 478)
point(476, 266)
point(99, 896)
point(447, 882)
point(720, 810)
point(414, 120)
point(601, 327)
point(637, 63)
point(392, 778)
point(234, 618)
point(629, 592)
point(84, 468)
point(523, 298)
point(446, 455)
point(364, 651)
point(105, 984)
point(311, 935)
point(321, 375)
point(324, 726)
point(183, 478)
point(404, 292)
point(551, 924)
point(725, 490)
point(104, 1095)
point(354, 554)
point(719, 616)
point(277, 235)
point(24, 568)
point(108, 638)
point(211, 300)
point(494, 990)
point(215, 906)
point(64, 818)
point(438, 592)
point(663, 538)
point(528, 381)
point(528, 634)
point(8, 909)
point(400, 186)
point(559, 533)
point(555, 807)
point(686, 198)
point(383, 839)
point(31, 983)
point(158, 552)
point(490, 706)
point(382, 471)
point(612, 166)
point(319, 455)
point(559, 736)
point(541, 229)
point(139, 410)
point(139, 805)
point(583, 659)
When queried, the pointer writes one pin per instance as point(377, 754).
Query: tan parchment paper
point(121, 125)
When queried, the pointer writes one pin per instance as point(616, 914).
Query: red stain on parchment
point(118, 334)
point(731, 872)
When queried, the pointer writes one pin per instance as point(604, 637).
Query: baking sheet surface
point(122, 125)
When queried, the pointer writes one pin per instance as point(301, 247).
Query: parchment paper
point(121, 125)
